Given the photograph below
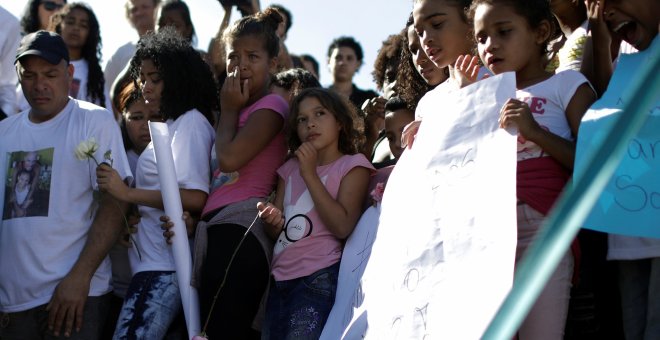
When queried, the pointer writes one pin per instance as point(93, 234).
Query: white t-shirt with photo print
point(38, 250)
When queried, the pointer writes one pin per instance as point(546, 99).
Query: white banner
point(440, 262)
point(169, 189)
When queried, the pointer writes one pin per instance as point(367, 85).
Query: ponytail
point(262, 24)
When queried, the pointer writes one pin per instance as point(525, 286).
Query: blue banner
point(630, 204)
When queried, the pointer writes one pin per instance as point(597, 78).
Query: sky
point(315, 24)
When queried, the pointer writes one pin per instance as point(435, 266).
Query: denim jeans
point(33, 323)
point(299, 308)
point(151, 304)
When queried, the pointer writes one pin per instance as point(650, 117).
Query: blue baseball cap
point(47, 45)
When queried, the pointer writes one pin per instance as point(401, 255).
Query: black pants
point(247, 279)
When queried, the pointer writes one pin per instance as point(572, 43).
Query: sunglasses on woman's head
point(51, 5)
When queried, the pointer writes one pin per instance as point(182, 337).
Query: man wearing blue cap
point(55, 275)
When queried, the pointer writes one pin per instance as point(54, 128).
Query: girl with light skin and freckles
point(321, 189)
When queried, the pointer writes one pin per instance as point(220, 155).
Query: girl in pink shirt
point(249, 147)
point(317, 204)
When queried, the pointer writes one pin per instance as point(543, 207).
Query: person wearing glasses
point(37, 14)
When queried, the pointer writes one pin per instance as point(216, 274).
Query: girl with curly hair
point(172, 76)
point(317, 204)
point(416, 74)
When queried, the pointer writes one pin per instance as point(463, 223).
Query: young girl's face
point(443, 32)
point(432, 74)
point(23, 180)
point(317, 125)
point(249, 54)
point(505, 40)
point(151, 81)
point(75, 29)
point(635, 21)
point(137, 115)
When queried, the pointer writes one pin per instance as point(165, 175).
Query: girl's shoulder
point(289, 166)
point(193, 115)
point(193, 119)
point(348, 162)
point(560, 87)
point(569, 77)
point(272, 102)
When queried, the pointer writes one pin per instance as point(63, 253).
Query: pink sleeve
point(287, 168)
point(357, 160)
point(273, 102)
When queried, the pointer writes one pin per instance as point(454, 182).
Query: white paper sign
point(442, 260)
point(169, 189)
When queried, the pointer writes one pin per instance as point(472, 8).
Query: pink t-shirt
point(305, 245)
point(258, 177)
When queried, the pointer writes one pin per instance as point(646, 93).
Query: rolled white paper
point(169, 189)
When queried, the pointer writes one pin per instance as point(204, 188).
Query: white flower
point(86, 149)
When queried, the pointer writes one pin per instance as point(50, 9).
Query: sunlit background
point(315, 24)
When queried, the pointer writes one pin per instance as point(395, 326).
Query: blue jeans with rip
point(151, 304)
point(299, 308)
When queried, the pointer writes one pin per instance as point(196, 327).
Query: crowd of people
point(274, 170)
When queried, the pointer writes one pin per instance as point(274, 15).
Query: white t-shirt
point(548, 101)
point(192, 137)
point(78, 89)
point(38, 250)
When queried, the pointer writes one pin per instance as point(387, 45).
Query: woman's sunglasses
point(51, 6)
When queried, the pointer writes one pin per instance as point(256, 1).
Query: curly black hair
point(349, 42)
point(91, 51)
point(30, 19)
point(296, 79)
point(411, 87)
point(351, 136)
point(387, 61)
point(263, 24)
point(187, 79)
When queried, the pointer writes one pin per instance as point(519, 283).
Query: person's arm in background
point(598, 49)
point(216, 50)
